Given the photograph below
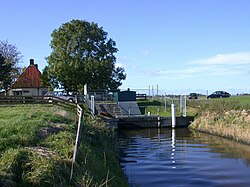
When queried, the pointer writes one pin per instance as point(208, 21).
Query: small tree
point(82, 54)
point(9, 67)
point(5, 74)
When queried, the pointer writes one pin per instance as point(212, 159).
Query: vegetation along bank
point(37, 143)
point(229, 118)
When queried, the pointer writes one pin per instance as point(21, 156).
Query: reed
point(226, 118)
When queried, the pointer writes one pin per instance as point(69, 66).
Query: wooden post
point(77, 141)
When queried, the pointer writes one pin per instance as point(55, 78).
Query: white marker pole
point(92, 104)
point(173, 115)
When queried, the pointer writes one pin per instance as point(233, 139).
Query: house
point(29, 83)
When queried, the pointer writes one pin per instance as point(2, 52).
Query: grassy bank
point(229, 118)
point(36, 148)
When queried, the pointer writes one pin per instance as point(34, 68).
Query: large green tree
point(10, 69)
point(82, 54)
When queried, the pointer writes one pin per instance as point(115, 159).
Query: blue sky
point(181, 45)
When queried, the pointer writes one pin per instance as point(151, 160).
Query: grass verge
point(36, 148)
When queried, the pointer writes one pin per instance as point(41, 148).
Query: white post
point(157, 92)
point(173, 115)
point(92, 106)
point(159, 121)
point(165, 102)
point(152, 92)
point(85, 90)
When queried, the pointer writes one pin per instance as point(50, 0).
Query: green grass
point(194, 107)
point(157, 107)
point(244, 101)
point(37, 143)
point(19, 131)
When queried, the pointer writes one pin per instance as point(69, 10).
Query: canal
point(182, 158)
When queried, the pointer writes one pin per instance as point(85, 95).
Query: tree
point(48, 80)
point(2, 67)
point(4, 73)
point(82, 54)
point(9, 66)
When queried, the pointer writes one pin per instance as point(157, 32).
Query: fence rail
point(141, 96)
point(7, 100)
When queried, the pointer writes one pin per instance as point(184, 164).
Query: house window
point(17, 93)
point(26, 91)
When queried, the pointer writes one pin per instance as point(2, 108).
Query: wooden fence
point(10, 100)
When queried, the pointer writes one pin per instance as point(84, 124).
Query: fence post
point(92, 106)
point(183, 105)
point(77, 141)
point(173, 115)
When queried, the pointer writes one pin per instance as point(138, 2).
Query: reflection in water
point(180, 157)
point(227, 148)
point(173, 147)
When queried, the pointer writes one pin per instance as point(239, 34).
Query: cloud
point(217, 67)
point(226, 59)
point(183, 73)
point(203, 70)
point(146, 52)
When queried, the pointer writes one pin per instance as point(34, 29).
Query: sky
point(181, 46)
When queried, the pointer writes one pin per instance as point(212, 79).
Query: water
point(182, 158)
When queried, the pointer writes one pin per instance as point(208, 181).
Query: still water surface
point(166, 157)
